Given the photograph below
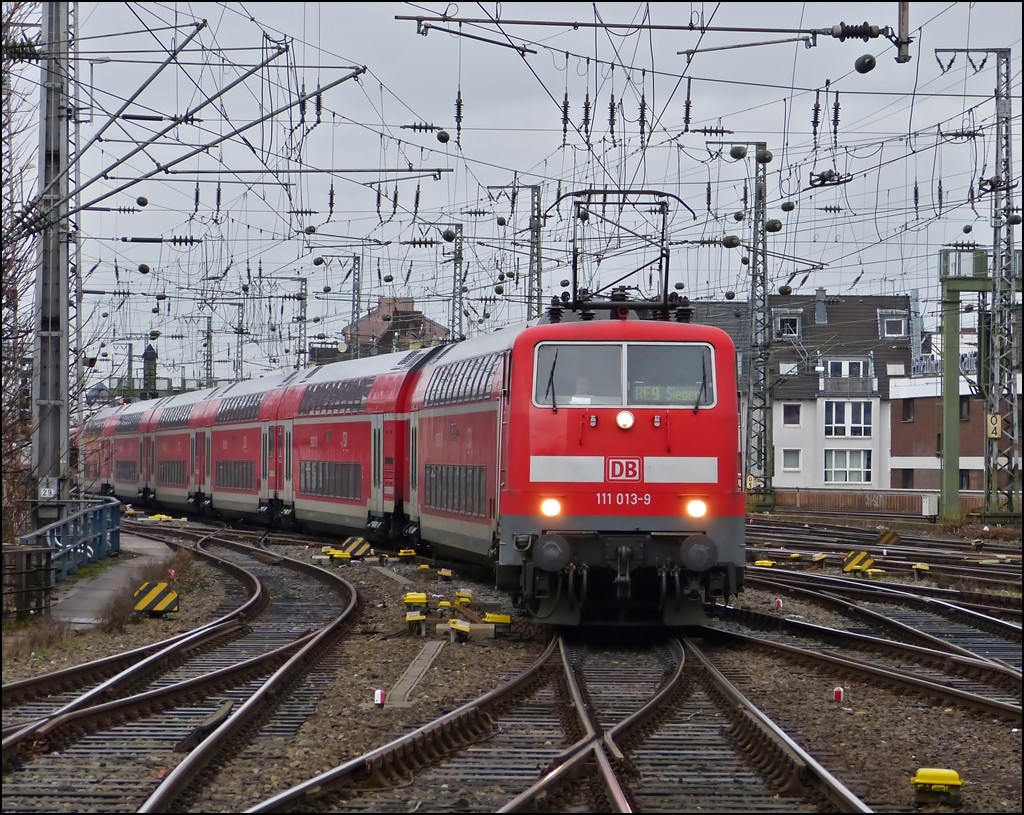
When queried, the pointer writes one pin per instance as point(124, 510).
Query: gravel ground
point(877, 739)
point(200, 593)
point(346, 724)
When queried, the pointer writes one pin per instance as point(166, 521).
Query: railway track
point(587, 728)
point(116, 755)
point(927, 621)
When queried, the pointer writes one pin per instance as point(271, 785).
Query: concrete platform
point(82, 602)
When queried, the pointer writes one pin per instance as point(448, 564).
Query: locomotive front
point(620, 499)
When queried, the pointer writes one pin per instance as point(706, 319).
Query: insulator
point(458, 117)
point(940, 196)
point(302, 104)
point(863, 31)
point(394, 204)
point(832, 208)
point(197, 199)
point(687, 106)
point(816, 114)
point(219, 191)
point(643, 118)
point(330, 201)
point(378, 206)
point(917, 199)
point(835, 115)
point(611, 118)
point(380, 278)
point(319, 101)
point(565, 118)
point(415, 203)
point(746, 194)
point(709, 196)
point(586, 116)
point(408, 274)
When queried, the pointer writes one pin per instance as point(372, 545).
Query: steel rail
point(891, 676)
point(967, 666)
point(854, 608)
point(810, 770)
point(433, 740)
point(51, 729)
point(856, 587)
point(268, 694)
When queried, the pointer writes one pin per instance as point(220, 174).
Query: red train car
point(593, 463)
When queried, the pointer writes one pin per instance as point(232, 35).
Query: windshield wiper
point(703, 382)
point(551, 383)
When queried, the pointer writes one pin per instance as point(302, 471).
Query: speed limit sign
point(993, 425)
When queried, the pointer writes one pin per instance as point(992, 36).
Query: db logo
point(622, 469)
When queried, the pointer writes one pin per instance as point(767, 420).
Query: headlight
point(696, 508)
point(624, 419)
point(550, 507)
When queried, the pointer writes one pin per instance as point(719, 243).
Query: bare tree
point(20, 141)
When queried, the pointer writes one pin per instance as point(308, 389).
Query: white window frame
point(847, 426)
point(799, 407)
point(885, 315)
point(853, 465)
point(780, 314)
point(788, 368)
point(795, 469)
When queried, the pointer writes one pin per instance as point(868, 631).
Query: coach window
point(569, 374)
point(677, 374)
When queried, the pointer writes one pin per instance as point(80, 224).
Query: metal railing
point(90, 534)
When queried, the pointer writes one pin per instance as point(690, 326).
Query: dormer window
point(786, 323)
point(892, 323)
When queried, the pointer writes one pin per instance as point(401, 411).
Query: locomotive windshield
point(655, 374)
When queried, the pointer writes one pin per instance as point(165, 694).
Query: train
point(591, 461)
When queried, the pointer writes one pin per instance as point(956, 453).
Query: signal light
point(551, 507)
point(696, 508)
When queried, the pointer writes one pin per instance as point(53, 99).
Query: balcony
point(847, 385)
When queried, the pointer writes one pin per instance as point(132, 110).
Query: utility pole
point(453, 234)
point(1002, 450)
point(302, 354)
point(50, 384)
point(209, 351)
point(535, 307)
point(239, 343)
point(759, 454)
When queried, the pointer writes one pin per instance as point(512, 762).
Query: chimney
point(820, 314)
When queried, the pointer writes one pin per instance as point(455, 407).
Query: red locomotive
point(593, 463)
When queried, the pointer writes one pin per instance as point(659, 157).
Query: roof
point(394, 314)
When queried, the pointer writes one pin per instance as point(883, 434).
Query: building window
point(965, 479)
point(786, 323)
point(908, 410)
point(847, 466)
point(895, 369)
point(854, 368)
point(848, 419)
point(907, 481)
point(791, 460)
point(965, 408)
point(892, 324)
point(791, 415)
point(788, 368)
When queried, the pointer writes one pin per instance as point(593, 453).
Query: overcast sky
point(899, 141)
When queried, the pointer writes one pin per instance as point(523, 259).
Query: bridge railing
point(90, 533)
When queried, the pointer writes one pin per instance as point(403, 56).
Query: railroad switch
point(444, 608)
point(871, 573)
point(417, 623)
point(444, 575)
point(463, 598)
point(818, 561)
point(406, 554)
point(502, 623)
point(459, 630)
point(936, 786)
point(416, 602)
point(920, 571)
point(423, 567)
